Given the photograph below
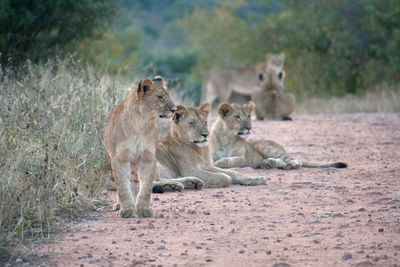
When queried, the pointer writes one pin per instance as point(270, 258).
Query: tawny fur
point(271, 101)
point(220, 83)
point(230, 149)
point(130, 139)
point(185, 151)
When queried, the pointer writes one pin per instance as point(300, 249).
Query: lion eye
point(238, 117)
point(161, 98)
point(193, 123)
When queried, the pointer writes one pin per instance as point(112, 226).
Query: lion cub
point(130, 139)
point(230, 148)
point(184, 152)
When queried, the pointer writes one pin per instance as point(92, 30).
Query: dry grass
point(51, 128)
point(383, 99)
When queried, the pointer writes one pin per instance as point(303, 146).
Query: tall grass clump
point(51, 128)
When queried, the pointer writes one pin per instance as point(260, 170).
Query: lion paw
point(253, 181)
point(268, 163)
point(126, 213)
point(194, 183)
point(145, 212)
point(222, 163)
point(173, 186)
point(293, 164)
point(280, 164)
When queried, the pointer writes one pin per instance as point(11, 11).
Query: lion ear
point(159, 81)
point(180, 112)
point(145, 86)
point(250, 106)
point(205, 108)
point(225, 109)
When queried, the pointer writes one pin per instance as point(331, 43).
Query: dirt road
point(313, 217)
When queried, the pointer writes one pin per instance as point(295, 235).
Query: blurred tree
point(37, 29)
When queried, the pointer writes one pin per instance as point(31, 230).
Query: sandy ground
point(313, 217)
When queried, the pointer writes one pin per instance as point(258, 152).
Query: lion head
point(190, 124)
point(155, 97)
point(273, 68)
point(237, 118)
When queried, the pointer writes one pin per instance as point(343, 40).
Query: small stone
point(283, 198)
point(113, 242)
point(132, 228)
point(192, 212)
point(127, 239)
point(208, 259)
point(241, 251)
point(150, 242)
point(347, 256)
point(156, 198)
point(380, 230)
point(316, 241)
point(268, 252)
point(160, 247)
point(206, 213)
point(289, 235)
point(281, 264)
point(364, 263)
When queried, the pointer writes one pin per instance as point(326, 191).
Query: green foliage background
point(333, 47)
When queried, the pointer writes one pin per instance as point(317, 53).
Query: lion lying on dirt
point(230, 149)
point(130, 139)
point(270, 99)
point(184, 152)
point(220, 83)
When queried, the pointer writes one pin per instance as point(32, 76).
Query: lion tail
point(338, 165)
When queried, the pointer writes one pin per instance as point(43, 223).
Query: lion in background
point(184, 153)
point(221, 82)
point(270, 99)
point(130, 139)
point(230, 149)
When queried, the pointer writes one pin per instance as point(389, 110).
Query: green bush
point(40, 29)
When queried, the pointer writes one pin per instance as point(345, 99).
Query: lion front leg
point(211, 179)
point(147, 173)
point(125, 200)
point(230, 162)
point(238, 178)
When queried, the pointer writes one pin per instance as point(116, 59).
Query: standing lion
point(220, 83)
point(130, 139)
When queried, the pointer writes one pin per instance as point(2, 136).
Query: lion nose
point(248, 128)
point(204, 135)
point(173, 108)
